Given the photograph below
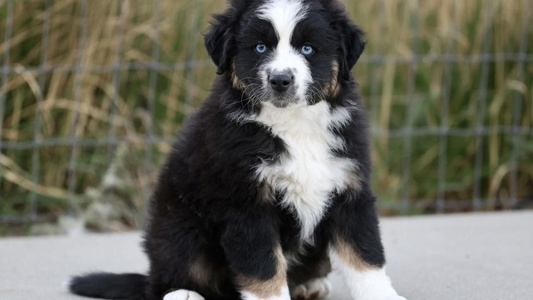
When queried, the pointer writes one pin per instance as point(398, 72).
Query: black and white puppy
point(269, 184)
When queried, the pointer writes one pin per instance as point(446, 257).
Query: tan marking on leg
point(205, 276)
point(349, 254)
point(269, 288)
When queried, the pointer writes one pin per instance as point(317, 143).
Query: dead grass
point(88, 92)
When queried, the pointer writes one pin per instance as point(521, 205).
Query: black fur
point(208, 202)
point(110, 286)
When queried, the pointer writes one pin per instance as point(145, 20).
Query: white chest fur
point(308, 172)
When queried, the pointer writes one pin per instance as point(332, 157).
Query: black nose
point(280, 82)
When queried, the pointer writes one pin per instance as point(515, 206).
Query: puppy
point(269, 183)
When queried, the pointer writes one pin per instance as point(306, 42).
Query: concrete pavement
point(470, 257)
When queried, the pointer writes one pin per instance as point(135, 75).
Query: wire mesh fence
point(447, 84)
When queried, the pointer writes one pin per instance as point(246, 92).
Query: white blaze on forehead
point(284, 16)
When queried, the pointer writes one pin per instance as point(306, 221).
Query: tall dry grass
point(72, 81)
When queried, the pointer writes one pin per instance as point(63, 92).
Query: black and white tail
point(109, 286)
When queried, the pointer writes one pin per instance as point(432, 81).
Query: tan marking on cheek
point(267, 288)
point(349, 254)
point(235, 81)
point(334, 86)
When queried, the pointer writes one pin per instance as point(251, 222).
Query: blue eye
point(307, 50)
point(260, 48)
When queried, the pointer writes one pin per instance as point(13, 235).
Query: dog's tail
point(109, 286)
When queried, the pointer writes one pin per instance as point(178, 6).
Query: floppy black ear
point(352, 46)
point(220, 42)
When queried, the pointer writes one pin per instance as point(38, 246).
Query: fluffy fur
point(271, 177)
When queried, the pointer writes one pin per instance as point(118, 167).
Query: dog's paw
point(183, 295)
point(314, 289)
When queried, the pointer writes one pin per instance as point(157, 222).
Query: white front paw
point(314, 289)
point(183, 295)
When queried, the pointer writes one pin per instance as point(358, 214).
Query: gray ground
point(471, 257)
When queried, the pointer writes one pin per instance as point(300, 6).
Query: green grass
point(396, 29)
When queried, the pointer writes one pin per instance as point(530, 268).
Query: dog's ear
point(220, 41)
point(352, 46)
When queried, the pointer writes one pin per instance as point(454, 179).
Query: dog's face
point(285, 52)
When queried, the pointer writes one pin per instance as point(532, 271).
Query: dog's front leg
point(356, 249)
point(252, 248)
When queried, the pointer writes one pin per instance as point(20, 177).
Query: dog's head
point(285, 52)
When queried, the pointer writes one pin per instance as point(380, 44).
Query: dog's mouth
point(283, 99)
point(266, 95)
point(281, 104)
